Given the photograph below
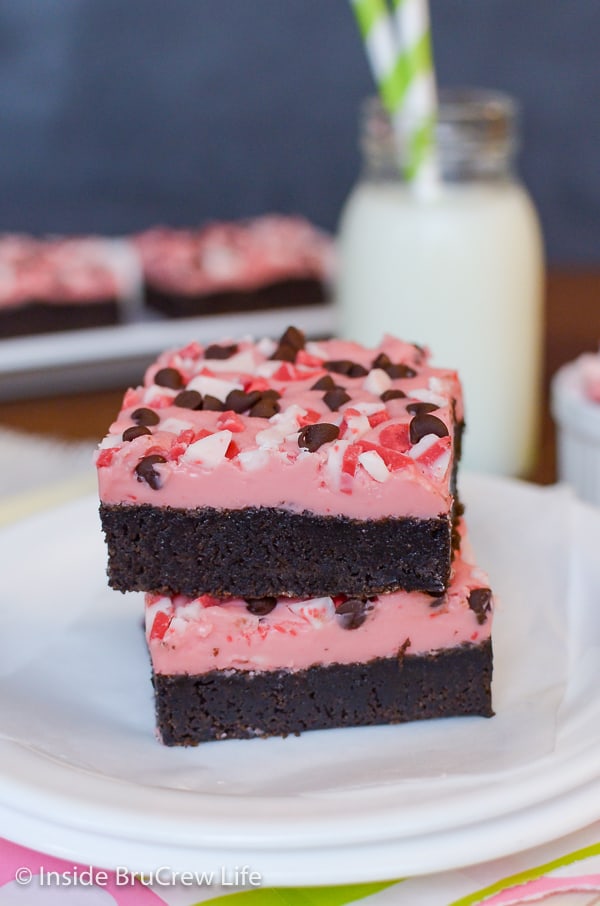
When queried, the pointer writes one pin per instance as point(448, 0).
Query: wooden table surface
point(572, 325)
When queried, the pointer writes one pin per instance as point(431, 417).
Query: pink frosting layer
point(245, 255)
point(225, 460)
point(196, 635)
point(56, 271)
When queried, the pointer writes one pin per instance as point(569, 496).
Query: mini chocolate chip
point(293, 337)
point(421, 408)
point(145, 470)
point(426, 424)
point(168, 377)
point(285, 353)
point(336, 398)
point(325, 383)
point(314, 436)
point(188, 399)
point(353, 612)
point(260, 607)
point(265, 408)
point(220, 352)
point(382, 361)
point(339, 366)
point(270, 395)
point(400, 371)
point(145, 416)
point(392, 394)
point(239, 401)
point(212, 403)
point(480, 602)
point(135, 431)
point(345, 366)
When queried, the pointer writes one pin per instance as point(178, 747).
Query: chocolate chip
point(145, 470)
point(168, 377)
point(145, 416)
point(437, 598)
point(265, 408)
point(188, 399)
point(392, 394)
point(353, 612)
point(270, 395)
point(382, 361)
point(314, 436)
point(260, 607)
point(220, 352)
point(400, 371)
point(336, 398)
point(239, 401)
point(135, 431)
point(294, 338)
point(426, 424)
point(285, 353)
point(421, 408)
point(480, 602)
point(213, 404)
point(325, 383)
point(345, 366)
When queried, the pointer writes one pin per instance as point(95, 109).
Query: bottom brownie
point(229, 704)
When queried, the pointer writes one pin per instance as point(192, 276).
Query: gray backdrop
point(117, 114)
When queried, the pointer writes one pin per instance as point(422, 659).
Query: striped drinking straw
point(398, 46)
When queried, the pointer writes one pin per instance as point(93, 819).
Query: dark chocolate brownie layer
point(285, 293)
point(43, 317)
point(257, 552)
point(241, 705)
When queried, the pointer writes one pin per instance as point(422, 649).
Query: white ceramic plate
point(83, 777)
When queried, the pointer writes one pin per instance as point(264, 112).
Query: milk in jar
point(458, 269)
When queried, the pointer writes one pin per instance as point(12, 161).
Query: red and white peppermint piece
point(432, 454)
point(372, 462)
point(208, 451)
point(377, 382)
point(428, 396)
point(211, 386)
point(317, 611)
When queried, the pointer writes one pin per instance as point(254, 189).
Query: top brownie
point(283, 468)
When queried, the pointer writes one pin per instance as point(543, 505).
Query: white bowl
point(578, 436)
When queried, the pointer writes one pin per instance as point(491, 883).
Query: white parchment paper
point(75, 675)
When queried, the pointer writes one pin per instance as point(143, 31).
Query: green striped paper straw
point(398, 49)
point(417, 107)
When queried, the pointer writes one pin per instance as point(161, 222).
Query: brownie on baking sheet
point(49, 285)
point(272, 261)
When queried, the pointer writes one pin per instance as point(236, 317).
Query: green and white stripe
point(419, 102)
point(398, 46)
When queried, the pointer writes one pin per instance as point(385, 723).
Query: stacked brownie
point(57, 284)
point(267, 262)
point(290, 510)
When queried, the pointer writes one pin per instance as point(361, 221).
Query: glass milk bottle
point(458, 269)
